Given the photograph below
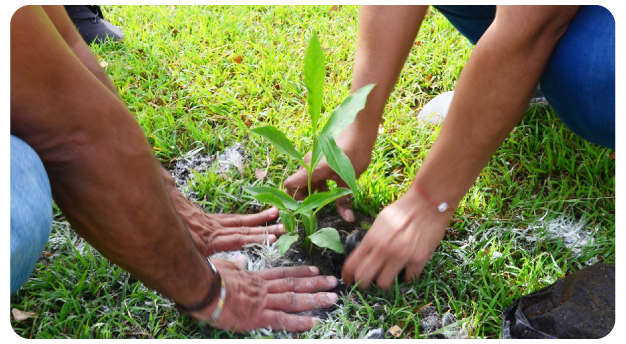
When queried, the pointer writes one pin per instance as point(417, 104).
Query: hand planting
point(293, 213)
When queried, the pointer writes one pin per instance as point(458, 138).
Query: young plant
point(323, 146)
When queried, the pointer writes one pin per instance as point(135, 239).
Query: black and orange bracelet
point(207, 300)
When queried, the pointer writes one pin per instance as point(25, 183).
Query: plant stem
point(310, 170)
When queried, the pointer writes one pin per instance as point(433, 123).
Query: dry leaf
point(612, 155)
point(104, 64)
point(20, 315)
point(417, 43)
point(237, 59)
point(429, 77)
point(259, 174)
point(395, 331)
point(334, 8)
point(277, 86)
point(173, 31)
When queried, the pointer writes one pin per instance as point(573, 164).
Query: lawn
point(199, 77)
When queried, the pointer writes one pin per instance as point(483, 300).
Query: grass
point(178, 71)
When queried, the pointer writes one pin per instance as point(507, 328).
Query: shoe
point(91, 24)
point(435, 111)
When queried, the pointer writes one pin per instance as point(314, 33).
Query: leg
point(471, 21)
point(579, 81)
point(31, 211)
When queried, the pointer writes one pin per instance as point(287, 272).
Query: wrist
point(210, 307)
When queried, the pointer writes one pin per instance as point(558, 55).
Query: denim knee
point(31, 211)
point(579, 81)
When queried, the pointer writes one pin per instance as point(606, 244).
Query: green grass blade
point(269, 198)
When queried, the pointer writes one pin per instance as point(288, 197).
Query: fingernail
point(282, 227)
point(273, 211)
point(332, 280)
point(314, 269)
point(348, 215)
point(271, 238)
point(332, 297)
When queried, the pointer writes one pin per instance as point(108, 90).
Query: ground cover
point(198, 78)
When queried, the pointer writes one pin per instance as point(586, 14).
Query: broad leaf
point(285, 241)
point(316, 155)
point(269, 198)
point(287, 200)
point(327, 237)
point(320, 199)
point(346, 112)
point(279, 140)
point(288, 220)
point(338, 161)
point(310, 223)
point(314, 72)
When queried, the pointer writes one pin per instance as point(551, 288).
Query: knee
point(31, 210)
point(579, 81)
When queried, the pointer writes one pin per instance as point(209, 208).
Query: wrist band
point(220, 303)
point(207, 300)
point(441, 206)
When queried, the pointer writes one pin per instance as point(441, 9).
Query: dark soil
point(328, 261)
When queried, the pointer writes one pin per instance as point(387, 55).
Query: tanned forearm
point(386, 35)
point(491, 95)
point(101, 169)
point(72, 38)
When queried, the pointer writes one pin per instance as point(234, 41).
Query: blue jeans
point(579, 80)
point(31, 211)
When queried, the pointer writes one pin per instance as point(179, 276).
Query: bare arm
point(386, 35)
point(101, 169)
point(491, 96)
point(62, 22)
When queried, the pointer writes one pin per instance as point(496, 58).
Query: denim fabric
point(579, 80)
point(31, 211)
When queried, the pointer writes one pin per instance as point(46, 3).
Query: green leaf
point(287, 200)
point(327, 237)
point(279, 140)
point(285, 241)
point(269, 198)
point(316, 155)
point(338, 161)
point(287, 219)
point(310, 223)
point(314, 72)
point(346, 112)
point(320, 199)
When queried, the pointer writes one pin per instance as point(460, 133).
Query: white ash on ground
point(438, 326)
point(195, 162)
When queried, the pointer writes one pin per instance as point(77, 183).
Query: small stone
point(395, 331)
point(374, 334)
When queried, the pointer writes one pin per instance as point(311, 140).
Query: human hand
point(356, 149)
point(404, 236)
point(224, 232)
point(265, 298)
point(213, 233)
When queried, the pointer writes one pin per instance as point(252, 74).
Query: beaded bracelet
point(441, 206)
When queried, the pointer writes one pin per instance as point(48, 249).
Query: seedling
point(292, 212)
